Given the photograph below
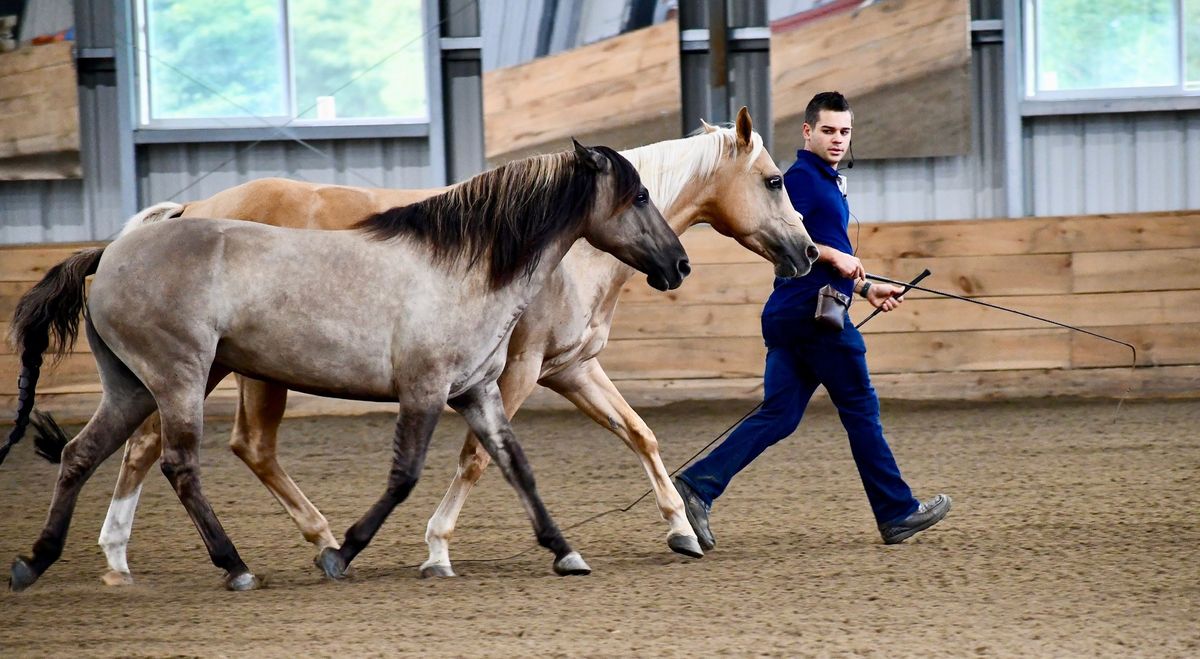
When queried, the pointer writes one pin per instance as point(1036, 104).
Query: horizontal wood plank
point(1156, 270)
point(728, 283)
point(999, 237)
point(29, 263)
point(1095, 310)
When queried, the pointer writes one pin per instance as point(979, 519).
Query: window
point(240, 62)
point(1112, 48)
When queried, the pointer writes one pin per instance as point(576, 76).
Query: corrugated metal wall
point(510, 31)
point(171, 172)
point(42, 212)
point(1144, 161)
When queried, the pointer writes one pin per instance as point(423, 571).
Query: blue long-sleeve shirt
point(812, 186)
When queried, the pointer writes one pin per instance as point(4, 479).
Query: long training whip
point(907, 286)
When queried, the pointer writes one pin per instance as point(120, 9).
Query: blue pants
point(801, 356)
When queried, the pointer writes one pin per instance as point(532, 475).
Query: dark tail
point(47, 317)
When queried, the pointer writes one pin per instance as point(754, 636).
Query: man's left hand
point(884, 297)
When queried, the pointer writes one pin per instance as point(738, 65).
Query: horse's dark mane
point(510, 214)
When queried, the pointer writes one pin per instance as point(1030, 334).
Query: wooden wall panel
point(39, 137)
point(621, 92)
point(892, 59)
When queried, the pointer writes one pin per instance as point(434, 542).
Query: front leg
point(587, 386)
point(483, 411)
point(414, 428)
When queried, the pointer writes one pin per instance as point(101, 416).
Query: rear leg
point(255, 432)
point(141, 452)
point(124, 405)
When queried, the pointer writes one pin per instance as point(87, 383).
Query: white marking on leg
point(118, 525)
point(441, 525)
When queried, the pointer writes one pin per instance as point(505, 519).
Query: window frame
point(148, 130)
point(1113, 99)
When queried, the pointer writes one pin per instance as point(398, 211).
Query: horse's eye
point(642, 198)
point(775, 182)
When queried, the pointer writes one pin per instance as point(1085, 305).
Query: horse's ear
point(745, 127)
point(708, 128)
point(590, 157)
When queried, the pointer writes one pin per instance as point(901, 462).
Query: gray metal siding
point(1114, 163)
point(181, 172)
point(42, 211)
point(510, 30)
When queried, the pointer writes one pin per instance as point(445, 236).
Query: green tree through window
point(200, 52)
point(230, 58)
point(335, 40)
point(1104, 44)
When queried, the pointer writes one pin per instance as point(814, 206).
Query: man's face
point(830, 138)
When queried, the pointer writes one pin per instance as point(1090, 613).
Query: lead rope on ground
point(907, 287)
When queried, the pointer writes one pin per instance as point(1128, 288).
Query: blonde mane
point(667, 167)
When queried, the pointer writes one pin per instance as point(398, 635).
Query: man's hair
point(832, 101)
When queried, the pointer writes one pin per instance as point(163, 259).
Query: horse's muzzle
point(796, 259)
point(670, 279)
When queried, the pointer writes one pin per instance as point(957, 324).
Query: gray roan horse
point(417, 305)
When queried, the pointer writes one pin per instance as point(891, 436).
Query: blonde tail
point(160, 211)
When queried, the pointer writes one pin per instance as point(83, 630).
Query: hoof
point(686, 545)
point(22, 576)
point(116, 578)
point(571, 564)
point(436, 570)
point(243, 581)
point(331, 563)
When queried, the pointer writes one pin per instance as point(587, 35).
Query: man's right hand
point(847, 265)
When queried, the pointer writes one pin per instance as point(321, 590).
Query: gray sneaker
point(929, 513)
point(697, 514)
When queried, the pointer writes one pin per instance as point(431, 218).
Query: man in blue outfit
point(802, 354)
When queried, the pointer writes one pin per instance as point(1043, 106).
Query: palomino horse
point(415, 306)
point(723, 177)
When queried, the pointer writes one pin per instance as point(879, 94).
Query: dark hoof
point(686, 545)
point(571, 565)
point(428, 571)
point(331, 563)
point(243, 581)
point(22, 576)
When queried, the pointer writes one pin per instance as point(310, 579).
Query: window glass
point(1191, 24)
point(1106, 44)
point(376, 45)
point(216, 58)
point(313, 60)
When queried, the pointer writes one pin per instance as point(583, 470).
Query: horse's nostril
point(812, 253)
point(684, 267)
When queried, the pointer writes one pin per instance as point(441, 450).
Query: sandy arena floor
point(1074, 533)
